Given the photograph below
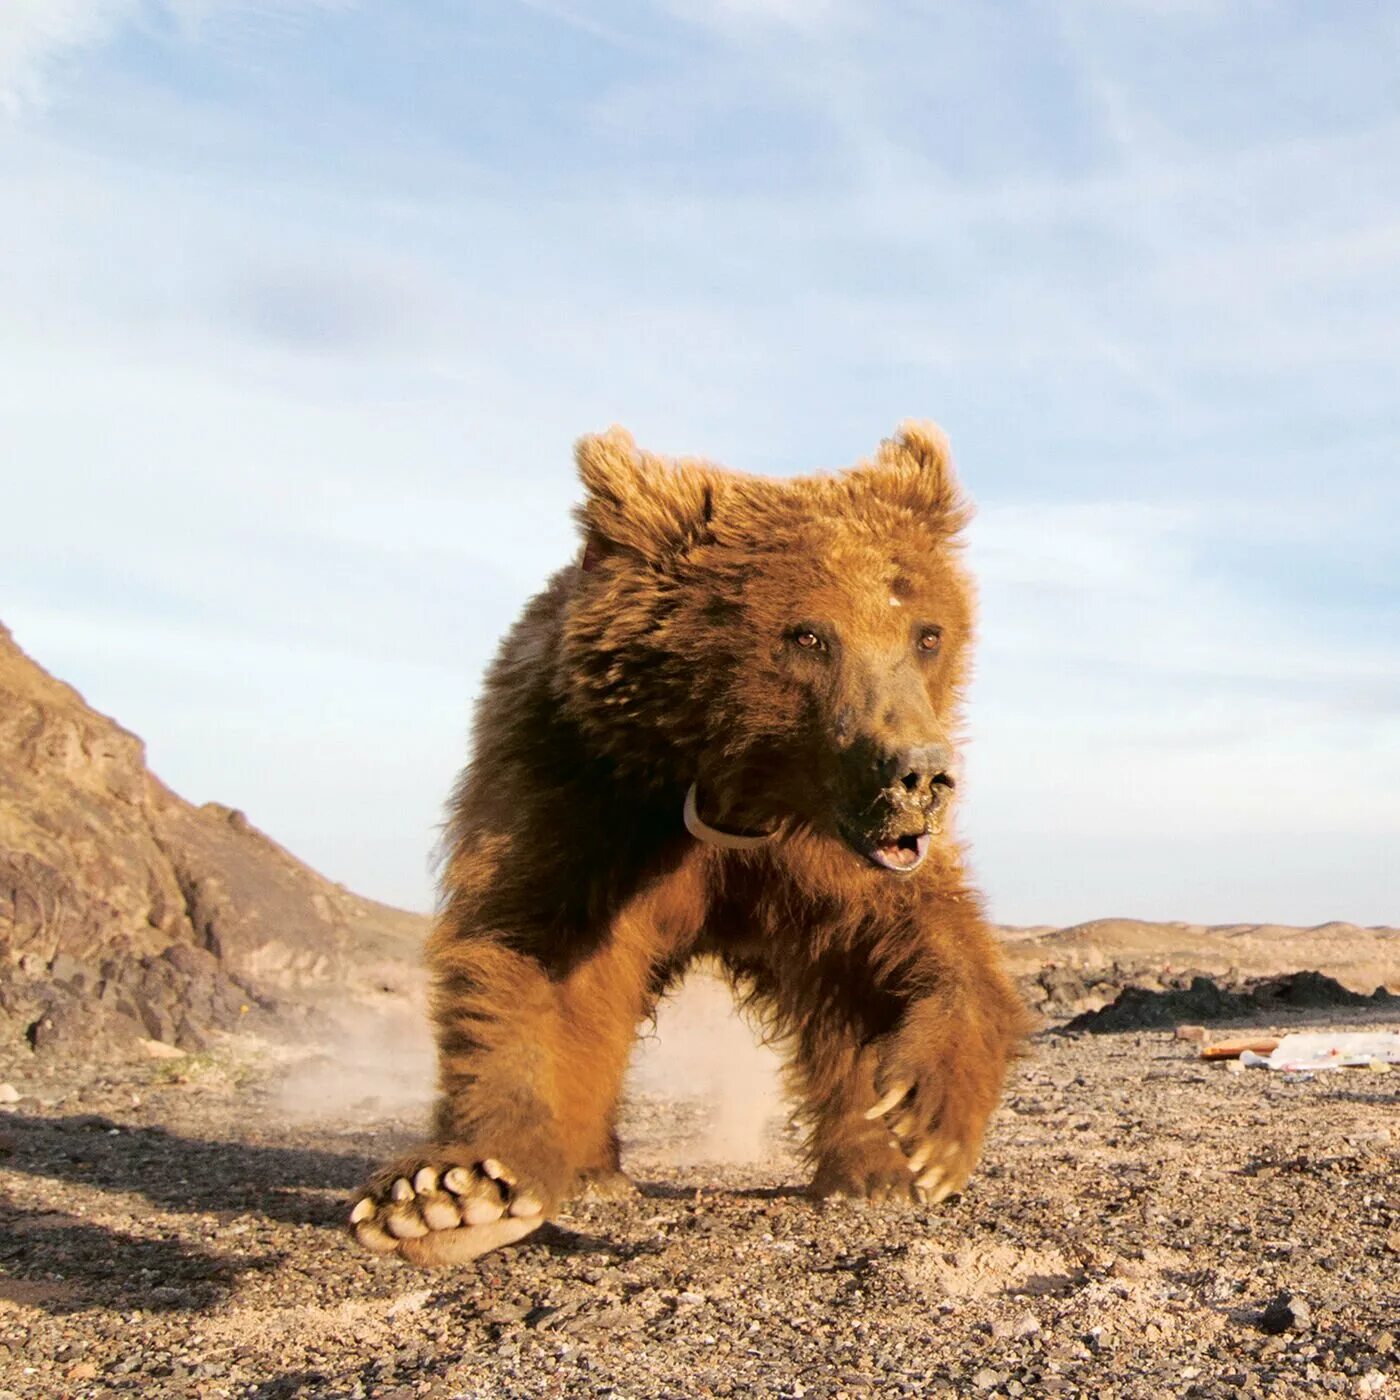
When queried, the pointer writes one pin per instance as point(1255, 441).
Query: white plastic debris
point(1311, 1050)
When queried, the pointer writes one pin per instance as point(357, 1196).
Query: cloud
point(37, 37)
point(1119, 665)
point(576, 18)
point(36, 34)
point(315, 308)
point(1150, 735)
point(1163, 587)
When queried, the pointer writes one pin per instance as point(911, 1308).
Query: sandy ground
point(172, 1229)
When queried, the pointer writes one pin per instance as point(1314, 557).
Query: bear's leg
point(530, 1068)
point(852, 1156)
point(939, 1075)
point(904, 1115)
point(603, 1176)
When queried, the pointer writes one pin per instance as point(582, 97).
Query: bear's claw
point(896, 1096)
point(940, 1165)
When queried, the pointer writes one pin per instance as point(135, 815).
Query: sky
point(303, 303)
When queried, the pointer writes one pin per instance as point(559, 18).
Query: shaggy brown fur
point(797, 650)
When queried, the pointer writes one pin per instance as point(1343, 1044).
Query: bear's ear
point(638, 501)
point(914, 469)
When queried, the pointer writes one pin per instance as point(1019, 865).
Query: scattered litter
point(1311, 1050)
point(1303, 1053)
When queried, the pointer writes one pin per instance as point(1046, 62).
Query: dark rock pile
point(1201, 999)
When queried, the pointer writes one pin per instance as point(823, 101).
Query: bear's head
point(793, 648)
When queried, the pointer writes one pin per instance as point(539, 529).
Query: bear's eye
point(930, 639)
point(808, 638)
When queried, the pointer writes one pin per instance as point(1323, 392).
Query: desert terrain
point(1144, 1224)
point(206, 1047)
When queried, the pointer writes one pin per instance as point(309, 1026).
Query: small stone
point(409, 1302)
point(987, 1379)
point(1286, 1313)
point(9, 1094)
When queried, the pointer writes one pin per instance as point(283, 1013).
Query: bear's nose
point(918, 769)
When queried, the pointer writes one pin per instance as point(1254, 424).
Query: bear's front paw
point(446, 1205)
point(940, 1147)
point(878, 1174)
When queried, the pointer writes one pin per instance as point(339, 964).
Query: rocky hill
point(128, 914)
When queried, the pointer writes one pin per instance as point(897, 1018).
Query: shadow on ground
point(63, 1265)
point(57, 1261)
point(184, 1174)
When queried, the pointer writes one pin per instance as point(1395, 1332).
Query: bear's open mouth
point(902, 853)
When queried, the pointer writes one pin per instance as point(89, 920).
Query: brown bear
point(726, 730)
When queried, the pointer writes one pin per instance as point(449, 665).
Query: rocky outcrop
point(128, 913)
point(1071, 971)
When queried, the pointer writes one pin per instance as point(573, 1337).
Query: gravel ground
point(1143, 1225)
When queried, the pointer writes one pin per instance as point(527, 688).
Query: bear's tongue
point(906, 853)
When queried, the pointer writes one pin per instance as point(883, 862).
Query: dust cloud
point(702, 1053)
point(374, 1060)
